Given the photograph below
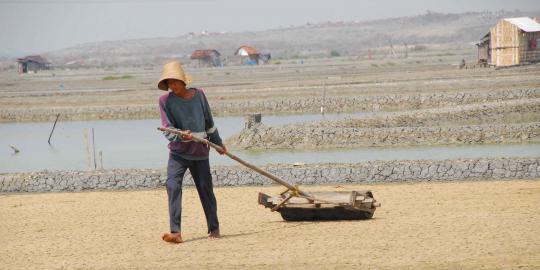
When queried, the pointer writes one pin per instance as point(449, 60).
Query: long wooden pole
point(239, 160)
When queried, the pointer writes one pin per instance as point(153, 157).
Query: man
point(187, 109)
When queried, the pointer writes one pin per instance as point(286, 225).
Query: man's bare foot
point(175, 238)
point(213, 235)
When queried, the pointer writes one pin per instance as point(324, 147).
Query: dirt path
point(474, 225)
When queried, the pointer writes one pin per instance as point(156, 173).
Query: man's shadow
point(227, 236)
point(293, 224)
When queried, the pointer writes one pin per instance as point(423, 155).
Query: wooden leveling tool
point(295, 205)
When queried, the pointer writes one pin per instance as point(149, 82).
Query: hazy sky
point(36, 26)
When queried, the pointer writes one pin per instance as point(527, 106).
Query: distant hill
point(309, 40)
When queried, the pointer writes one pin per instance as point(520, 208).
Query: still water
point(137, 144)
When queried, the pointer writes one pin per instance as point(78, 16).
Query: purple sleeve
point(165, 122)
point(164, 119)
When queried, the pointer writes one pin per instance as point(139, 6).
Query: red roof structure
point(202, 54)
point(247, 49)
point(209, 57)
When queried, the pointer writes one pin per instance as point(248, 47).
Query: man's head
point(173, 71)
point(177, 86)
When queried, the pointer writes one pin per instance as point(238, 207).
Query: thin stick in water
point(87, 144)
point(52, 130)
point(101, 159)
point(94, 149)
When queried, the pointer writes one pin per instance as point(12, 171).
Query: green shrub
point(123, 77)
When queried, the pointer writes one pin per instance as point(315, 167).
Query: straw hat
point(173, 70)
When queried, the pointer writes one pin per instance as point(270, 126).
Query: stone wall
point(265, 137)
point(357, 173)
point(382, 102)
point(506, 121)
point(507, 111)
point(275, 105)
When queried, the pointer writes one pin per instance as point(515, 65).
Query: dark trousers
point(200, 171)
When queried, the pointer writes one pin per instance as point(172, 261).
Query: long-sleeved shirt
point(188, 114)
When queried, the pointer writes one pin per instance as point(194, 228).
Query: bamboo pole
point(239, 160)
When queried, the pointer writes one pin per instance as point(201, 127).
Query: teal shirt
point(188, 114)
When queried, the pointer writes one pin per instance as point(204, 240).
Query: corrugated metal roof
point(199, 54)
point(525, 23)
point(33, 58)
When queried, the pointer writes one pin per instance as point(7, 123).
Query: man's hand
point(171, 135)
point(187, 137)
point(223, 150)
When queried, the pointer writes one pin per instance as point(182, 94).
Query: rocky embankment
point(507, 111)
point(275, 105)
point(280, 138)
point(357, 173)
point(508, 121)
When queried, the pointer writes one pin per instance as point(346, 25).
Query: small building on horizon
point(484, 50)
point(248, 55)
point(33, 63)
point(512, 41)
point(208, 57)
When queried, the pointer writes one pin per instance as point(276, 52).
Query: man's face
point(177, 86)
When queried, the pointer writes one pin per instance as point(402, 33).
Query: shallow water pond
point(137, 144)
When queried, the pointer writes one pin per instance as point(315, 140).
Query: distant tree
point(334, 53)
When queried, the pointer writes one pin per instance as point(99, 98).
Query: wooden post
point(57, 116)
point(252, 119)
point(324, 98)
point(101, 159)
point(94, 149)
point(406, 50)
point(87, 144)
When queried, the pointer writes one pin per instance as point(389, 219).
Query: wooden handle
point(239, 160)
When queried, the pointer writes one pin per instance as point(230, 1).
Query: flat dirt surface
point(472, 225)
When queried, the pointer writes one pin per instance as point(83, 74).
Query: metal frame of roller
point(340, 205)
